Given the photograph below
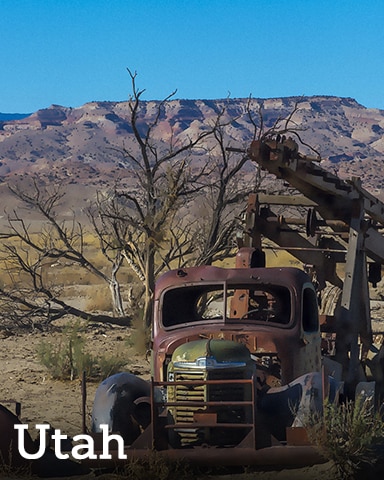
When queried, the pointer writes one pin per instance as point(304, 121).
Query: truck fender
point(122, 402)
point(290, 404)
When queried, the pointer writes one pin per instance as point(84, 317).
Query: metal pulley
point(311, 223)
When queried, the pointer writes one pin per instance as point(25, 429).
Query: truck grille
point(182, 392)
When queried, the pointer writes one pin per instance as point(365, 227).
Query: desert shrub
point(107, 366)
point(140, 338)
point(350, 434)
point(100, 300)
point(67, 358)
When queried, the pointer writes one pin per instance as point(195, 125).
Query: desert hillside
point(82, 146)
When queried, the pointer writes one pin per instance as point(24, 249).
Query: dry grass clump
point(100, 300)
point(351, 435)
point(140, 338)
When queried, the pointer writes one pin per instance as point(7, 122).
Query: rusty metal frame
point(159, 431)
point(350, 232)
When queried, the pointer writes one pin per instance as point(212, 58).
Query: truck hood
point(219, 351)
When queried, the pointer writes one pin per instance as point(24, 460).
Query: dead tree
point(151, 222)
point(164, 181)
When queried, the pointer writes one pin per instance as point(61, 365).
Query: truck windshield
point(201, 303)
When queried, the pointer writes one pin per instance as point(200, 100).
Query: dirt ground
point(59, 403)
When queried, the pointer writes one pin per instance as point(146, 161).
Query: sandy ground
point(59, 403)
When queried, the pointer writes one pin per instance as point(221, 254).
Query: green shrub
point(348, 434)
point(140, 339)
point(67, 358)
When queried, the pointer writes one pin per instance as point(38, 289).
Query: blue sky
point(70, 52)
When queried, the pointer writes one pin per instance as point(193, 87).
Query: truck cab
point(223, 338)
point(273, 312)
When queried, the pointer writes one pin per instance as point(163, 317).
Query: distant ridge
point(13, 116)
point(83, 146)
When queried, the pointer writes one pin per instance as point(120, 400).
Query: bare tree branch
point(32, 255)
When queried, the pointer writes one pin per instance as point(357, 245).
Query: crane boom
point(344, 224)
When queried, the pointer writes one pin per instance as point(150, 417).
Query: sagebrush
point(67, 358)
point(350, 434)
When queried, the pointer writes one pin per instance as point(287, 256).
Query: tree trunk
point(117, 301)
point(114, 286)
point(149, 284)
